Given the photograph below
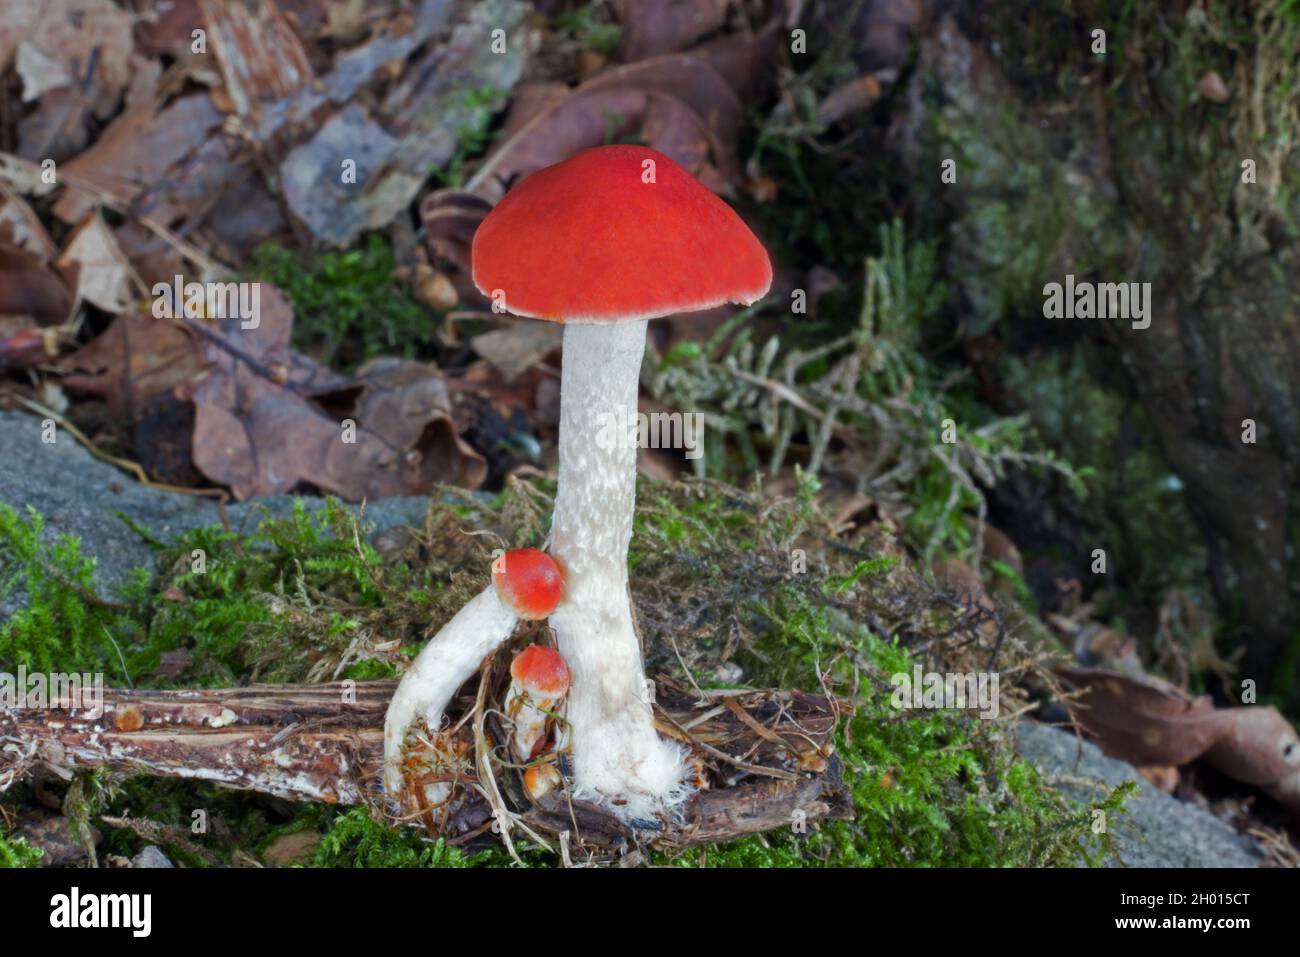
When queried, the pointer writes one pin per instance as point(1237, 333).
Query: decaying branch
point(767, 756)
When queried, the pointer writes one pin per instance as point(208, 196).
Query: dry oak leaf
point(1145, 721)
point(261, 425)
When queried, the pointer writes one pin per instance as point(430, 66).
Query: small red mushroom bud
point(528, 582)
point(541, 779)
point(539, 680)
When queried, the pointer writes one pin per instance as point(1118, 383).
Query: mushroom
point(526, 583)
point(541, 779)
point(539, 679)
point(603, 242)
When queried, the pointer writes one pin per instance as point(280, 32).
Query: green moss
point(16, 852)
point(348, 306)
point(929, 788)
point(62, 624)
point(353, 839)
point(272, 603)
point(588, 26)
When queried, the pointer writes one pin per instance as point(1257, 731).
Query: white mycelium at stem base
point(619, 760)
point(446, 663)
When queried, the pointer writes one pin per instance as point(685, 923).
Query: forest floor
point(1152, 830)
point(968, 487)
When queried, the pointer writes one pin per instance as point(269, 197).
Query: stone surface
point(80, 495)
point(1158, 830)
point(151, 856)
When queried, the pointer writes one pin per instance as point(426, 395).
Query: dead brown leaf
point(31, 289)
point(135, 153)
point(134, 360)
point(17, 18)
point(1147, 721)
point(262, 426)
point(678, 104)
point(19, 226)
point(518, 346)
point(654, 27)
point(105, 277)
point(75, 42)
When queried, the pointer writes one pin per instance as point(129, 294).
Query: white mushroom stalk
point(526, 583)
point(619, 759)
point(446, 662)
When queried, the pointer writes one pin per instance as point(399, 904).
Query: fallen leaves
point(365, 165)
point(20, 227)
point(136, 360)
point(136, 153)
point(33, 298)
point(652, 27)
point(687, 105)
point(1147, 721)
point(261, 427)
point(220, 125)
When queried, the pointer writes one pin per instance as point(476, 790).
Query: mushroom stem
point(445, 664)
point(618, 758)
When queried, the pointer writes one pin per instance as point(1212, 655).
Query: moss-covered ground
point(721, 577)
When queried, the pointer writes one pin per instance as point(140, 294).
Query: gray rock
point(80, 495)
point(151, 856)
point(1158, 830)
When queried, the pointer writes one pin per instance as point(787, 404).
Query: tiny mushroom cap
point(541, 779)
point(541, 670)
point(616, 233)
point(528, 582)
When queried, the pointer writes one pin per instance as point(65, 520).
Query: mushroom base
point(619, 760)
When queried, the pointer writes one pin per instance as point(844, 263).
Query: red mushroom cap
point(528, 582)
point(590, 240)
point(541, 669)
